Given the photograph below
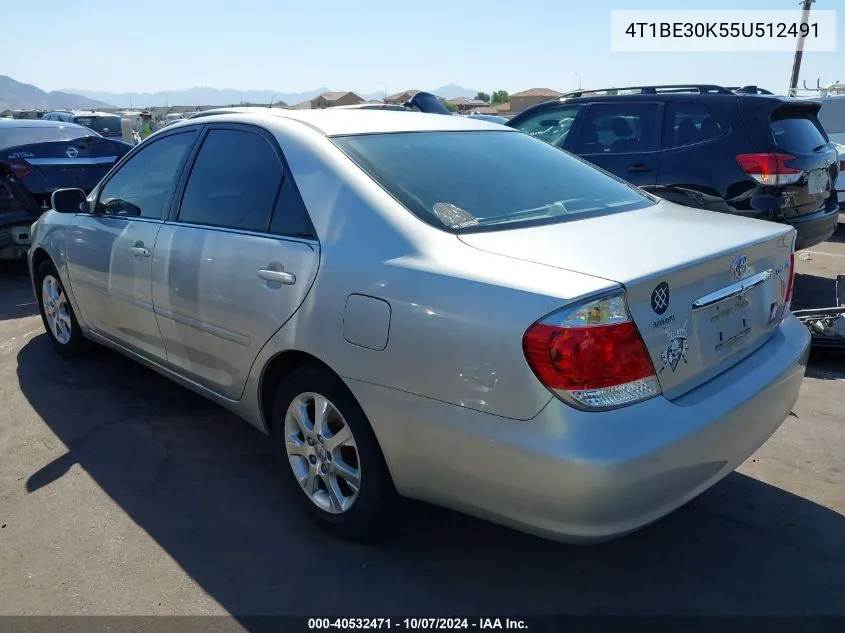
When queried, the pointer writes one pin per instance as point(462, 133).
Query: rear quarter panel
point(457, 314)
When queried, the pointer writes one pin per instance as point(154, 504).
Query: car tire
point(320, 476)
point(57, 313)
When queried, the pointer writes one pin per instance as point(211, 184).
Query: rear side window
point(797, 131)
point(551, 126)
point(618, 128)
point(290, 216)
point(233, 183)
point(690, 123)
point(100, 124)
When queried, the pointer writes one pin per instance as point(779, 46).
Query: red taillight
point(788, 295)
point(769, 169)
point(592, 355)
point(19, 168)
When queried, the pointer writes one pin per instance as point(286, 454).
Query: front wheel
point(335, 468)
point(57, 313)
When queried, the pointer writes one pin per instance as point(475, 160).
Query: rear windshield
point(14, 136)
point(100, 124)
point(797, 132)
point(471, 181)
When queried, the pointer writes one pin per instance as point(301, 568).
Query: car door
point(110, 251)
point(235, 262)
point(622, 138)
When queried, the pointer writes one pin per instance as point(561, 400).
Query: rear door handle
point(639, 167)
point(139, 251)
point(277, 276)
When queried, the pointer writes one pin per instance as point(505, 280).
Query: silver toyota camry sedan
point(414, 305)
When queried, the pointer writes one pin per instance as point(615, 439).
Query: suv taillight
point(592, 355)
point(19, 168)
point(770, 169)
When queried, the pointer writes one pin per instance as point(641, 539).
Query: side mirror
point(69, 201)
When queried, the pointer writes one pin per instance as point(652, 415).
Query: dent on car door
point(622, 138)
point(110, 249)
point(237, 262)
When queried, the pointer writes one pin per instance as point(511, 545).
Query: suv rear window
point(100, 124)
point(470, 181)
point(797, 131)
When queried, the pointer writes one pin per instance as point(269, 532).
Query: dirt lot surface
point(122, 493)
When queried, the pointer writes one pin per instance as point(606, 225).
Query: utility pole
point(799, 49)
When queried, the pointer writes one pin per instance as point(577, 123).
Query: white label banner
point(721, 31)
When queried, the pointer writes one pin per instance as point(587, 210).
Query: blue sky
point(117, 46)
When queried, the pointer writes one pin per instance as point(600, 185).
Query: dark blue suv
point(704, 146)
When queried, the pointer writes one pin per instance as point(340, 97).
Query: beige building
point(528, 98)
point(462, 104)
point(400, 98)
point(329, 100)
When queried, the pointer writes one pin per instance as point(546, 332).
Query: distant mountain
point(218, 97)
point(451, 91)
point(17, 95)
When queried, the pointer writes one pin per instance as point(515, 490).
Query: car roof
point(337, 122)
point(35, 123)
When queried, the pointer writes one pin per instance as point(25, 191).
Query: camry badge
point(739, 266)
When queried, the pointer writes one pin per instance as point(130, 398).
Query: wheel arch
point(275, 370)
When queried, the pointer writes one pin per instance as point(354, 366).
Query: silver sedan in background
point(434, 307)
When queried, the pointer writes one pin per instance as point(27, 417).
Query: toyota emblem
point(72, 152)
point(739, 266)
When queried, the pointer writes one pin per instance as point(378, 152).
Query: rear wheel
point(335, 468)
point(57, 313)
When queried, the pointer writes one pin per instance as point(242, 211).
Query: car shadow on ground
point(206, 487)
point(18, 300)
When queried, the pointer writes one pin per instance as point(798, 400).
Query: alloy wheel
point(56, 309)
point(322, 452)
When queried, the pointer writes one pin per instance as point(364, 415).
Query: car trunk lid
point(704, 289)
point(81, 162)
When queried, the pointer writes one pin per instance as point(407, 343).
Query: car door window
point(619, 128)
point(143, 185)
point(290, 216)
point(233, 183)
point(690, 123)
point(551, 126)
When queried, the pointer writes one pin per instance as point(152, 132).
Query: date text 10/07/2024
point(416, 624)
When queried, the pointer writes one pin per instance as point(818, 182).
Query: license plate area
point(727, 326)
point(818, 181)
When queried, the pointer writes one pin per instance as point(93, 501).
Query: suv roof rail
point(664, 89)
point(750, 90)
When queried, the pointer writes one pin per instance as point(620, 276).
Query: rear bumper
point(577, 476)
point(816, 228)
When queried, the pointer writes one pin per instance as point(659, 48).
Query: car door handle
point(278, 276)
point(639, 167)
point(139, 251)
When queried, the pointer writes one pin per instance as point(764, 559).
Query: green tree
point(500, 96)
point(450, 107)
point(482, 96)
